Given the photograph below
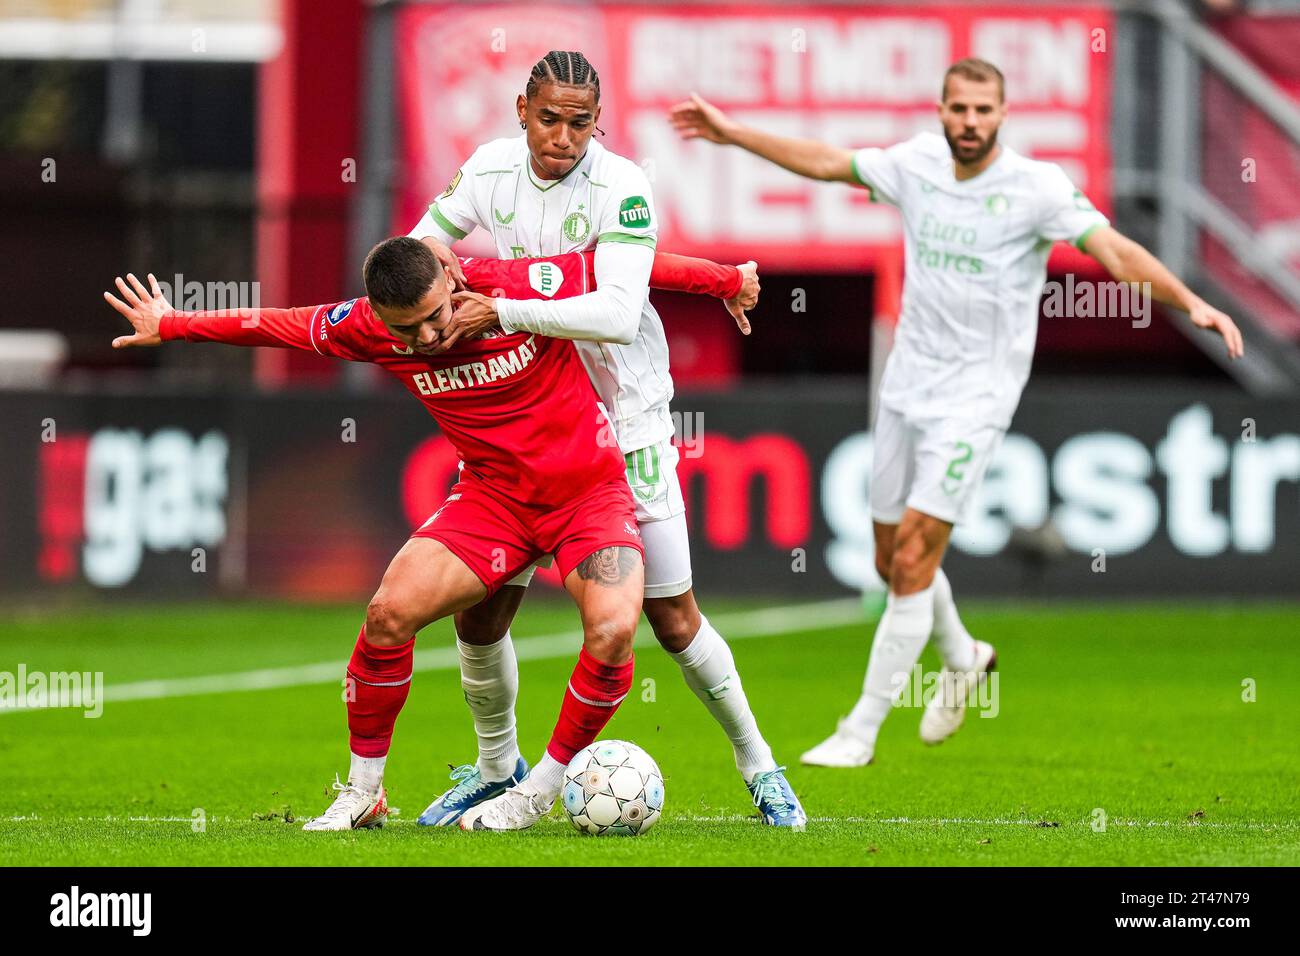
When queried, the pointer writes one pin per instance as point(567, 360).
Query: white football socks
point(367, 773)
point(545, 779)
point(954, 643)
point(900, 637)
point(710, 671)
point(489, 676)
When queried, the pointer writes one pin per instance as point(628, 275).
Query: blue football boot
point(469, 790)
point(776, 801)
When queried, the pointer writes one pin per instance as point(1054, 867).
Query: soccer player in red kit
point(540, 476)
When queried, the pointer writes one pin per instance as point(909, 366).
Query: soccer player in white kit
point(978, 222)
point(555, 190)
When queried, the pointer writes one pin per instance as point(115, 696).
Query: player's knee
point(489, 621)
point(609, 638)
point(480, 630)
point(912, 570)
point(905, 567)
point(675, 626)
point(883, 566)
point(386, 626)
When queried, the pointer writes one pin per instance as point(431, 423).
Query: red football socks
point(378, 680)
point(595, 690)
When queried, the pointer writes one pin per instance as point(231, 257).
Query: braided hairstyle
point(565, 67)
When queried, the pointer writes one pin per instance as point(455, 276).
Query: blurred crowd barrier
point(1147, 492)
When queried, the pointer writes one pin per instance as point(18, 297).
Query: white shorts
point(661, 515)
point(931, 465)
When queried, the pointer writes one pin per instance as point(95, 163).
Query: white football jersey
point(976, 261)
point(604, 198)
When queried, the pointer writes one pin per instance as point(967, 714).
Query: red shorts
point(498, 538)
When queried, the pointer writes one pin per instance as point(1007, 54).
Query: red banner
point(864, 77)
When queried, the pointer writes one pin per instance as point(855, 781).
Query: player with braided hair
point(554, 190)
point(565, 68)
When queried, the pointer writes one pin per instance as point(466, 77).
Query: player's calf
point(594, 693)
point(710, 671)
point(675, 620)
point(376, 685)
point(607, 586)
point(423, 583)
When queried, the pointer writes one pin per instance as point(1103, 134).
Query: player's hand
point(1206, 316)
point(472, 315)
point(746, 298)
point(450, 264)
point(697, 119)
point(143, 308)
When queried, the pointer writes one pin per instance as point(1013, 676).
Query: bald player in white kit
point(979, 220)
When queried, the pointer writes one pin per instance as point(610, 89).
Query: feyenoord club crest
point(577, 227)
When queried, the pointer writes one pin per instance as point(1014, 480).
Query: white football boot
point(355, 808)
point(515, 809)
point(841, 749)
point(947, 708)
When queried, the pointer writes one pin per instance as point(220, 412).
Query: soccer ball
point(613, 787)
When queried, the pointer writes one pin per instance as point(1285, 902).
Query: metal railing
point(1187, 49)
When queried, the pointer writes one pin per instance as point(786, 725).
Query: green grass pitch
point(1136, 711)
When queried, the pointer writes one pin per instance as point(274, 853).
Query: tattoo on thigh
point(608, 565)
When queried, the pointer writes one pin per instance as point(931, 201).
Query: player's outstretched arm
point(736, 286)
point(697, 119)
point(1127, 261)
point(154, 321)
point(674, 273)
point(511, 278)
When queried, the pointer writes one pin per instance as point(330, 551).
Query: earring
point(523, 125)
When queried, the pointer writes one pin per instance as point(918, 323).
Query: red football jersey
point(518, 408)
